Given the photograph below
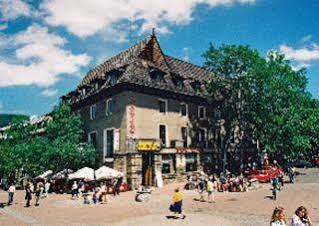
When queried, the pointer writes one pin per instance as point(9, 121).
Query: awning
point(107, 173)
point(85, 173)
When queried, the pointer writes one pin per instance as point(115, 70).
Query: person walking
point(11, 191)
point(301, 217)
point(38, 192)
point(201, 189)
point(28, 194)
point(177, 204)
point(278, 217)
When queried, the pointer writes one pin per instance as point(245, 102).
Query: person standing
point(75, 189)
point(177, 204)
point(47, 188)
point(104, 193)
point(278, 217)
point(11, 191)
point(301, 218)
point(28, 194)
point(210, 191)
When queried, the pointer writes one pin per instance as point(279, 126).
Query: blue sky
point(46, 46)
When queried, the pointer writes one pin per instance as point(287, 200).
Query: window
point(162, 134)
point(196, 86)
point(109, 143)
point(83, 91)
point(178, 82)
point(162, 106)
point(96, 86)
point(93, 112)
point(92, 138)
point(183, 109)
point(201, 112)
point(191, 162)
point(202, 138)
point(184, 137)
point(168, 163)
point(109, 107)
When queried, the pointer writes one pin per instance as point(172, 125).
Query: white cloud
point(185, 54)
point(40, 58)
point(303, 54)
point(12, 9)
point(84, 18)
point(49, 92)
point(302, 57)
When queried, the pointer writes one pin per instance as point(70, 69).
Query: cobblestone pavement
point(249, 208)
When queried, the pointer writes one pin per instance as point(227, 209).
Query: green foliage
point(266, 98)
point(54, 144)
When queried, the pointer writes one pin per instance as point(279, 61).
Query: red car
point(266, 174)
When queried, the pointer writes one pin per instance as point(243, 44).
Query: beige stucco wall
point(147, 118)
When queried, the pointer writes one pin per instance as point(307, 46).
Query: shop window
point(201, 112)
point(162, 134)
point(162, 106)
point(93, 112)
point(168, 163)
point(109, 107)
point(191, 162)
point(184, 136)
point(92, 138)
point(183, 109)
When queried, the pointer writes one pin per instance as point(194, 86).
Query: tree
point(54, 144)
point(263, 99)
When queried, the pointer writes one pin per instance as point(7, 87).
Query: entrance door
point(147, 169)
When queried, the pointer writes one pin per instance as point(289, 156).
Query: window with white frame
point(93, 112)
point(184, 109)
point(109, 107)
point(162, 134)
point(201, 112)
point(162, 106)
point(92, 138)
point(202, 138)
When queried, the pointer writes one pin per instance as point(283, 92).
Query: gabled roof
point(136, 64)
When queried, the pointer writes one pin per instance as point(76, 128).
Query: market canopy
point(62, 174)
point(45, 174)
point(107, 173)
point(85, 173)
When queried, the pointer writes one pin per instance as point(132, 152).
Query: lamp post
point(222, 143)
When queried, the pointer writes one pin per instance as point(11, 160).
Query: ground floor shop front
point(154, 168)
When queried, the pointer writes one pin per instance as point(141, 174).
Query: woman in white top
point(278, 217)
point(301, 218)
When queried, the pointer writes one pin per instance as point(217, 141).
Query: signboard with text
point(148, 145)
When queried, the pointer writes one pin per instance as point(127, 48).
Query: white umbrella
point(85, 173)
point(62, 174)
point(45, 174)
point(107, 173)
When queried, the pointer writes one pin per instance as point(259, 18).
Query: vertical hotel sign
point(131, 112)
point(116, 140)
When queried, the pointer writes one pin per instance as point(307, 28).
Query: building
point(148, 114)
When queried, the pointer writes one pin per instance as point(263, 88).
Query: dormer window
point(83, 91)
point(96, 86)
point(157, 75)
point(178, 82)
point(114, 77)
point(196, 86)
